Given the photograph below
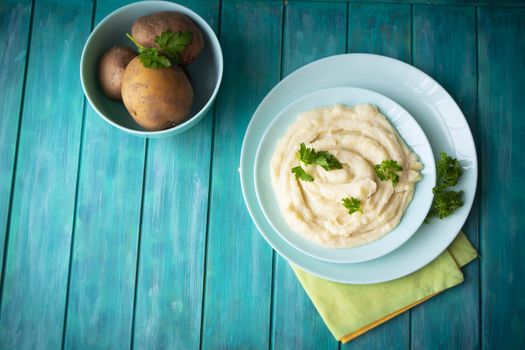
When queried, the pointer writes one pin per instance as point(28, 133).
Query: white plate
point(405, 125)
point(437, 114)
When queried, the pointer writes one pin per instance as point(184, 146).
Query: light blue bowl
point(205, 73)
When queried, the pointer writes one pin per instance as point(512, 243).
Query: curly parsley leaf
point(446, 202)
point(387, 171)
point(302, 175)
point(352, 204)
point(448, 171)
point(174, 43)
point(324, 159)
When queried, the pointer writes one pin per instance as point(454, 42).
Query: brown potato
point(156, 98)
point(147, 28)
point(111, 68)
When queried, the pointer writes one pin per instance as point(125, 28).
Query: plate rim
point(467, 205)
point(398, 243)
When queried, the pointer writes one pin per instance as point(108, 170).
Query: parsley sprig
point(306, 155)
point(150, 57)
point(170, 46)
point(387, 171)
point(301, 174)
point(445, 201)
point(173, 43)
point(448, 171)
point(310, 156)
point(324, 159)
point(352, 204)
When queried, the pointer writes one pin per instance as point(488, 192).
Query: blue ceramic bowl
point(205, 73)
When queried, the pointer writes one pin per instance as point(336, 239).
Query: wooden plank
point(381, 29)
point(36, 268)
point(239, 261)
point(501, 49)
point(445, 48)
point(104, 251)
point(296, 323)
point(14, 34)
point(392, 335)
point(169, 288)
point(489, 3)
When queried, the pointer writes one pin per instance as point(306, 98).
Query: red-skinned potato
point(146, 29)
point(111, 69)
point(157, 98)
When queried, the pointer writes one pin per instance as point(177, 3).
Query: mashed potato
point(359, 137)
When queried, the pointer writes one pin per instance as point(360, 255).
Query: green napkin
point(350, 310)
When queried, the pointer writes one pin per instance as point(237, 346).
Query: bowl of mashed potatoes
point(344, 175)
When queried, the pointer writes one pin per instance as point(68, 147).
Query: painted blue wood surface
point(171, 271)
point(445, 47)
point(105, 238)
point(380, 29)
point(291, 305)
point(39, 236)
point(502, 3)
point(116, 242)
point(170, 279)
point(239, 261)
point(14, 36)
point(501, 48)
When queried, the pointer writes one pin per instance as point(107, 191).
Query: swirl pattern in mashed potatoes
point(359, 137)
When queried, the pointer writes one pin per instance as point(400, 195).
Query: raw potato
point(156, 98)
point(111, 69)
point(147, 28)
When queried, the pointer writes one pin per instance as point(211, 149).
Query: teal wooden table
point(109, 241)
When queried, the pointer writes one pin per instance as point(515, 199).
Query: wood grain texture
point(239, 261)
point(490, 3)
point(14, 36)
point(35, 279)
point(501, 105)
point(104, 250)
point(381, 29)
point(392, 335)
point(445, 48)
point(170, 283)
point(169, 290)
point(296, 323)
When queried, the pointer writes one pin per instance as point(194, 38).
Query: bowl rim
point(195, 118)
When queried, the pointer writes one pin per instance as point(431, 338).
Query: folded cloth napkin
point(350, 310)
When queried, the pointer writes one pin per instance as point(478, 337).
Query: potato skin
point(111, 69)
point(156, 98)
point(145, 29)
